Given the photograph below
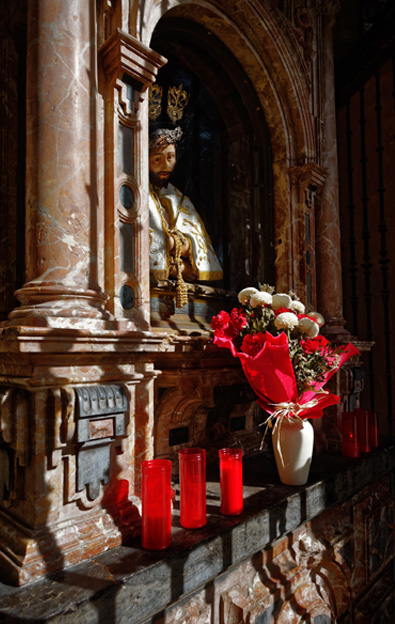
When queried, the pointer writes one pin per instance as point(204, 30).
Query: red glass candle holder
point(374, 439)
point(231, 480)
point(363, 429)
point(156, 504)
point(192, 487)
point(350, 444)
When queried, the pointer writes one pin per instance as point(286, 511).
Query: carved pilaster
point(329, 270)
point(129, 68)
point(307, 182)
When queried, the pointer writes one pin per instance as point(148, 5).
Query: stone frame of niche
point(246, 186)
point(129, 68)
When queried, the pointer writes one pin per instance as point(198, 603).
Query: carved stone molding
point(100, 418)
point(374, 538)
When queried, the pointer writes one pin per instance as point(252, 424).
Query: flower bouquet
point(287, 363)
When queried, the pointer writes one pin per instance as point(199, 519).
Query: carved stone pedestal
point(68, 413)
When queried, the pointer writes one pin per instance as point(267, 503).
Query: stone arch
point(269, 61)
point(273, 62)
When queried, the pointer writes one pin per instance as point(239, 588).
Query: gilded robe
point(170, 210)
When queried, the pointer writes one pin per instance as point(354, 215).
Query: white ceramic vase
point(293, 442)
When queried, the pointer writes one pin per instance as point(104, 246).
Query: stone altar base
point(27, 555)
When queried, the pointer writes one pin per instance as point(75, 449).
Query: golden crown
point(177, 99)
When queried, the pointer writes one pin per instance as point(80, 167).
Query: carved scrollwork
point(304, 32)
point(176, 411)
point(296, 577)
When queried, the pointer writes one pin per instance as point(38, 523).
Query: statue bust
point(180, 247)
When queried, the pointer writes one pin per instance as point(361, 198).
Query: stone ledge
point(128, 584)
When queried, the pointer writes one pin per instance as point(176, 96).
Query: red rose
point(221, 321)
point(238, 320)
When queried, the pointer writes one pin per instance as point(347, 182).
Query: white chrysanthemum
point(281, 300)
point(309, 327)
point(286, 320)
point(298, 306)
point(246, 294)
point(261, 298)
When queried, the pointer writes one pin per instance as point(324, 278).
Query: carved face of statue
point(161, 164)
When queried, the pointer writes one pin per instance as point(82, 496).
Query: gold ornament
point(177, 99)
point(155, 101)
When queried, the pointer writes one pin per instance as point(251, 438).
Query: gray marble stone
point(128, 585)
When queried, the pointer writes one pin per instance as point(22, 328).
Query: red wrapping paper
point(271, 375)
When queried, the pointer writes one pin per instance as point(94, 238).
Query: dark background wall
point(364, 49)
point(13, 18)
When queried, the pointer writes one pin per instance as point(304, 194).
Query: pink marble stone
point(71, 330)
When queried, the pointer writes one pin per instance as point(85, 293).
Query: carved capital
point(123, 54)
point(311, 176)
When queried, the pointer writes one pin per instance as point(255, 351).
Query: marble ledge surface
point(66, 340)
point(130, 585)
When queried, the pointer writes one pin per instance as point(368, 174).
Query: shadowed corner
point(124, 512)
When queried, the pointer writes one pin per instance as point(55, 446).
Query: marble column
point(328, 244)
point(62, 217)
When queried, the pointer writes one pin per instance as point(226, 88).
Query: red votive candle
point(350, 445)
point(192, 487)
point(363, 430)
point(231, 480)
point(373, 430)
point(156, 504)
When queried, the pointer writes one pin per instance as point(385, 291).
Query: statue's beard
point(158, 180)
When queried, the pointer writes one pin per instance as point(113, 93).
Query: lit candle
point(350, 445)
point(231, 480)
point(192, 487)
point(156, 504)
point(363, 430)
point(373, 430)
